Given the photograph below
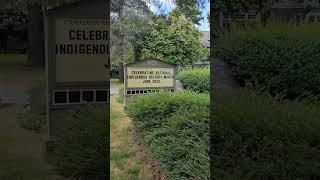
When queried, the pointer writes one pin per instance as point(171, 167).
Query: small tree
point(173, 40)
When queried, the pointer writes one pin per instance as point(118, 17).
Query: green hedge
point(81, 151)
point(175, 127)
point(279, 58)
point(255, 136)
point(197, 79)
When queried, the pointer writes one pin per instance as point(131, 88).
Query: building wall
point(289, 11)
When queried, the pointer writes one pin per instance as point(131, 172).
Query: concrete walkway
point(13, 92)
point(114, 90)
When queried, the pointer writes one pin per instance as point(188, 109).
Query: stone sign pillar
point(148, 76)
point(77, 40)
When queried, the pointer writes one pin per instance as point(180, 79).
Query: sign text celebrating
point(142, 77)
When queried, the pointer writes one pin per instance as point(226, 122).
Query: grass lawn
point(21, 151)
point(115, 83)
point(124, 163)
point(13, 67)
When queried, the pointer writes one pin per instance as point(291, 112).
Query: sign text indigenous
point(144, 77)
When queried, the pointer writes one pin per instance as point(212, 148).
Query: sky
point(168, 5)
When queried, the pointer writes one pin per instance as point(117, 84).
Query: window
point(60, 97)
point(74, 96)
point(88, 96)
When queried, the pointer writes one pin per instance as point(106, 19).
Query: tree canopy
point(174, 40)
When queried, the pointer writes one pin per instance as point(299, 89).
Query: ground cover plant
point(257, 136)
point(34, 118)
point(175, 128)
point(81, 149)
point(21, 151)
point(196, 79)
point(277, 57)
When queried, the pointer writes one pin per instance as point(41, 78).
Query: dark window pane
point(101, 96)
point(74, 97)
point(88, 96)
point(60, 97)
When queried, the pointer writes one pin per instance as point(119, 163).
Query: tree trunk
point(35, 34)
point(121, 73)
point(121, 57)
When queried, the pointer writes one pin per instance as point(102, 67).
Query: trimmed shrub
point(35, 118)
point(255, 136)
point(81, 150)
point(279, 58)
point(32, 120)
point(175, 127)
point(197, 79)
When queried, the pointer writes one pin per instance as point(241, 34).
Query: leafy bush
point(114, 70)
point(175, 127)
point(197, 79)
point(255, 136)
point(174, 41)
point(81, 149)
point(35, 117)
point(32, 120)
point(120, 96)
point(280, 58)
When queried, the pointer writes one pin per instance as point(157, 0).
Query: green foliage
point(129, 23)
point(32, 120)
point(120, 96)
point(279, 58)
point(114, 70)
point(174, 40)
point(197, 79)
point(35, 118)
point(81, 150)
point(175, 127)
point(256, 136)
point(232, 7)
point(37, 97)
point(190, 11)
point(12, 17)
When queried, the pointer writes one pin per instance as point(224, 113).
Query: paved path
point(114, 90)
point(223, 82)
point(13, 92)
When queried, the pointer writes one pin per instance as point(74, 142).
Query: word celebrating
point(92, 35)
point(85, 48)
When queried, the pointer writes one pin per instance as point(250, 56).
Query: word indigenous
point(91, 47)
